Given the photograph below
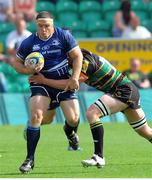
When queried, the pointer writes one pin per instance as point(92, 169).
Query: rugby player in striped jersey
point(121, 95)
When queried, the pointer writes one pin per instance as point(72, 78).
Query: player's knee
point(36, 117)
point(142, 128)
point(92, 115)
point(74, 119)
point(96, 111)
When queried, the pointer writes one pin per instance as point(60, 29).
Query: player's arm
point(19, 66)
point(40, 79)
point(22, 52)
point(76, 57)
point(58, 84)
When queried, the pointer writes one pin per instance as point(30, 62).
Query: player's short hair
point(44, 14)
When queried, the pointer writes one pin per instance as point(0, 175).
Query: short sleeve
point(70, 41)
point(23, 50)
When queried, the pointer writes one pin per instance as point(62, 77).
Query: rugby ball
point(34, 59)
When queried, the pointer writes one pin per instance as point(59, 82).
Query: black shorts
point(56, 95)
point(128, 94)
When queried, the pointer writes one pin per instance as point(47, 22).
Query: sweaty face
point(45, 27)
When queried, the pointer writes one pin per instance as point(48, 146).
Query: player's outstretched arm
point(76, 57)
point(19, 66)
point(40, 79)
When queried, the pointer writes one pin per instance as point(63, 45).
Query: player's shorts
point(128, 94)
point(56, 95)
point(53, 105)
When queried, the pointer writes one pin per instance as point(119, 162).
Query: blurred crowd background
point(86, 19)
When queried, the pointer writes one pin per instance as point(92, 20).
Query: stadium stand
point(109, 9)
point(77, 27)
point(147, 23)
point(90, 11)
point(140, 8)
point(99, 28)
point(85, 18)
point(67, 11)
point(31, 26)
point(150, 9)
point(45, 6)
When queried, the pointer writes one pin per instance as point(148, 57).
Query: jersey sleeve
point(23, 50)
point(70, 41)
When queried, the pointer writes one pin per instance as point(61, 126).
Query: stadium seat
point(80, 34)
point(67, 18)
point(148, 24)
point(66, 0)
point(6, 69)
point(31, 26)
point(6, 27)
point(150, 9)
point(109, 17)
point(109, 6)
point(10, 73)
point(65, 9)
point(99, 29)
point(142, 15)
point(89, 0)
point(139, 6)
point(45, 6)
point(90, 10)
point(100, 34)
point(109, 9)
point(77, 27)
point(91, 16)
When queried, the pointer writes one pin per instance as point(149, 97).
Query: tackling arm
point(77, 58)
point(40, 79)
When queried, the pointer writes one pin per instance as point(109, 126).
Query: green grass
point(127, 155)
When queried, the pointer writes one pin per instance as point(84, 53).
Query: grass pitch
point(127, 155)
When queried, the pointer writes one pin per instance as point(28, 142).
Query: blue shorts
point(56, 95)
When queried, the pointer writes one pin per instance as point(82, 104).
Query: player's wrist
point(44, 81)
point(74, 78)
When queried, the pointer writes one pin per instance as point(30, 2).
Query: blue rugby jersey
point(54, 50)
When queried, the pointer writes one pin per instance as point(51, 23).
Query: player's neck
point(44, 38)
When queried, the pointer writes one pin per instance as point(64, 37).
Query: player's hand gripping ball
point(34, 60)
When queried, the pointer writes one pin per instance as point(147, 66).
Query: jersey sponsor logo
point(85, 66)
point(54, 51)
point(55, 42)
point(46, 47)
point(36, 47)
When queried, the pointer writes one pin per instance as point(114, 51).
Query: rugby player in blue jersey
point(55, 44)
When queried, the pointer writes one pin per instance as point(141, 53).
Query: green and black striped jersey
point(100, 73)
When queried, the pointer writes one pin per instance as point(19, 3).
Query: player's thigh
point(114, 105)
point(70, 109)
point(48, 116)
point(134, 115)
point(39, 104)
point(136, 118)
point(104, 106)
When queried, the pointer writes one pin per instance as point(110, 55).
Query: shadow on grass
point(36, 171)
